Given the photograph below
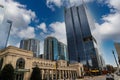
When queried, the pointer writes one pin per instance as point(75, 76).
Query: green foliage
point(7, 72)
point(36, 75)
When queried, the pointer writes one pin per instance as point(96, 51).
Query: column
point(70, 74)
point(63, 74)
point(59, 74)
point(76, 74)
point(73, 75)
point(42, 73)
point(52, 74)
point(48, 74)
point(67, 74)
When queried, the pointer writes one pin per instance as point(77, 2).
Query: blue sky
point(42, 18)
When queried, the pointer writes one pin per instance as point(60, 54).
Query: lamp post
point(115, 58)
point(9, 22)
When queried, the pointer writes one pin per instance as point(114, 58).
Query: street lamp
point(9, 22)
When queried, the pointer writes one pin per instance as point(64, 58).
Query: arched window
point(20, 64)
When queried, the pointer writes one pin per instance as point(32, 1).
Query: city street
point(95, 78)
point(100, 78)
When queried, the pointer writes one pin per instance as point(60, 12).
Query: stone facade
point(23, 62)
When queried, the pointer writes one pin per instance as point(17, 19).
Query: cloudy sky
point(41, 18)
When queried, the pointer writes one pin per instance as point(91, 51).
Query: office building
point(117, 46)
point(31, 45)
point(81, 44)
point(63, 53)
point(51, 48)
point(102, 62)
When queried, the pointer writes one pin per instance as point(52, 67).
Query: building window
point(20, 63)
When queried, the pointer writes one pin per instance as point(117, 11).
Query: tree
point(110, 68)
point(36, 75)
point(7, 72)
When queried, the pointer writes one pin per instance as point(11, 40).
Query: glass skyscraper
point(63, 53)
point(79, 38)
point(51, 48)
point(31, 45)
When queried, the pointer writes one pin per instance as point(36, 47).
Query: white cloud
point(27, 33)
point(43, 27)
point(18, 45)
point(59, 31)
point(114, 4)
point(56, 29)
point(110, 29)
point(58, 3)
point(20, 17)
point(50, 4)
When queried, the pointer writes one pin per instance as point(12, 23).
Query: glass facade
point(51, 48)
point(63, 53)
point(31, 45)
point(117, 46)
point(79, 38)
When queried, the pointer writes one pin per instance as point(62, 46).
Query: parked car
point(109, 76)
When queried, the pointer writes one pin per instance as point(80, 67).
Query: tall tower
point(79, 38)
point(51, 48)
point(31, 45)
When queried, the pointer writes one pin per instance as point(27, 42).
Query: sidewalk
point(116, 77)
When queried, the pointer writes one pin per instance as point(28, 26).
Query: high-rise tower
point(51, 48)
point(31, 45)
point(81, 46)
